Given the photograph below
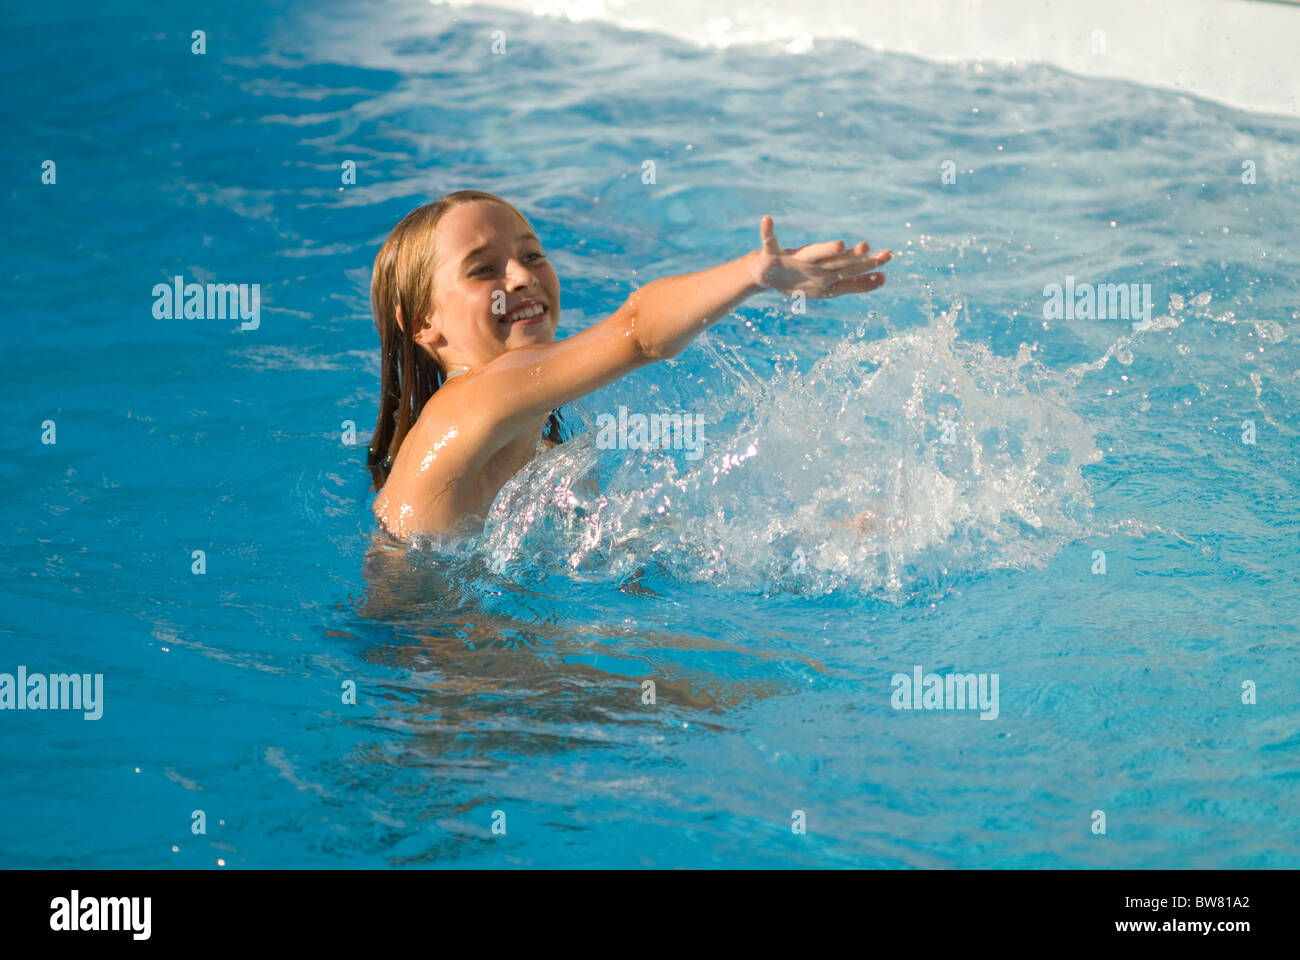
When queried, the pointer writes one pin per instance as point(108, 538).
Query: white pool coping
point(1243, 53)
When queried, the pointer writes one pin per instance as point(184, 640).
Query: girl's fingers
point(835, 248)
point(767, 234)
point(851, 265)
point(819, 253)
point(868, 281)
point(815, 252)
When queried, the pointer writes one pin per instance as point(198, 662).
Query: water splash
point(892, 467)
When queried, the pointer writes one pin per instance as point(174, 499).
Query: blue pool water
point(771, 633)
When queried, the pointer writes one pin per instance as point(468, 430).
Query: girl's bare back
point(450, 468)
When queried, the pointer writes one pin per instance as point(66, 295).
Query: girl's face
point(493, 287)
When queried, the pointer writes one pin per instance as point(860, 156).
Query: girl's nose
point(518, 275)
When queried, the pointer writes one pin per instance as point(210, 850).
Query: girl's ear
point(430, 333)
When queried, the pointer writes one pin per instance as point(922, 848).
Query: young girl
point(467, 308)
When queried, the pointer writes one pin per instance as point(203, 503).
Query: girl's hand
point(819, 270)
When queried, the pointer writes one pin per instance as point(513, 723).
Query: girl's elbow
point(646, 347)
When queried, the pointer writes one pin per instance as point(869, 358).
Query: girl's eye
point(478, 271)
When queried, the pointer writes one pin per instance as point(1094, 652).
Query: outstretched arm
point(671, 312)
point(663, 317)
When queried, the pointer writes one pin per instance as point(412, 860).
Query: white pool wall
point(1245, 53)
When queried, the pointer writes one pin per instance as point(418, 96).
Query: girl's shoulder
point(440, 422)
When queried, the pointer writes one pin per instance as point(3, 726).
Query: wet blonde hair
point(403, 281)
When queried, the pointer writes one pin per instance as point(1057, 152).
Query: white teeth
point(526, 313)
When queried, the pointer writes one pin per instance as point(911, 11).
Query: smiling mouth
point(533, 311)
